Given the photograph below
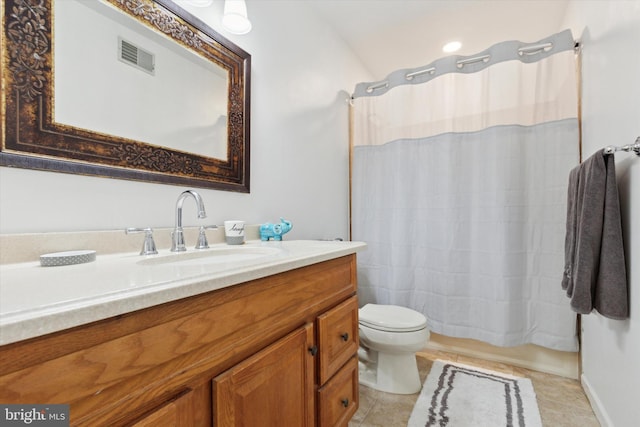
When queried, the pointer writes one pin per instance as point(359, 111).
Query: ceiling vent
point(135, 56)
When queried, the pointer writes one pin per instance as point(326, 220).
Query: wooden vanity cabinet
point(276, 351)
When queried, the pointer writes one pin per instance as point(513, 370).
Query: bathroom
point(302, 74)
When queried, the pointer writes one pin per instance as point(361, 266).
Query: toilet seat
point(391, 318)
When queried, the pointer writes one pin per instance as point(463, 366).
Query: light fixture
point(200, 3)
point(235, 18)
point(451, 47)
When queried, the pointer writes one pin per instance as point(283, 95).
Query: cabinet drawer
point(337, 338)
point(338, 399)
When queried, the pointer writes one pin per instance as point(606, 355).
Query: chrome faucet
point(177, 236)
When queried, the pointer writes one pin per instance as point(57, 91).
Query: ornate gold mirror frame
point(32, 139)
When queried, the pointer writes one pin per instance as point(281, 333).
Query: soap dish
point(67, 258)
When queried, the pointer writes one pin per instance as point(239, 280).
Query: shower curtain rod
point(629, 148)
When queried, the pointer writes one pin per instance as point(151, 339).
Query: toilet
point(389, 338)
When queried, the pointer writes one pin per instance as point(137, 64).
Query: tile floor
point(561, 401)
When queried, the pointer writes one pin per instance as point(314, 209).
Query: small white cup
point(234, 232)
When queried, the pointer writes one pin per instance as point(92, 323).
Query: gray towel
point(595, 274)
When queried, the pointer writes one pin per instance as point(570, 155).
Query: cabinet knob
point(313, 350)
point(345, 336)
point(345, 402)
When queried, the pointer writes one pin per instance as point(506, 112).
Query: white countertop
point(36, 300)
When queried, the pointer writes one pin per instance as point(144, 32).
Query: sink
point(223, 255)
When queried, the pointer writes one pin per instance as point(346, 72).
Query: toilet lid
point(391, 318)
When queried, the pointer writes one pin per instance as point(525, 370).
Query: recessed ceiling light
point(451, 47)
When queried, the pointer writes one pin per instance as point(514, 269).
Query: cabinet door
point(189, 409)
point(337, 337)
point(273, 388)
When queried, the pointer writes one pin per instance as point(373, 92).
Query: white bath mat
point(457, 395)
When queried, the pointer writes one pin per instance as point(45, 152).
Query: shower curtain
point(459, 185)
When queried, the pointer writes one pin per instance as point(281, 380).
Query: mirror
point(175, 109)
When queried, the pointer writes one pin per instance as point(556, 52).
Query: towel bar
point(610, 149)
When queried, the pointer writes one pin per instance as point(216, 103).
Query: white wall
point(610, 34)
point(301, 76)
